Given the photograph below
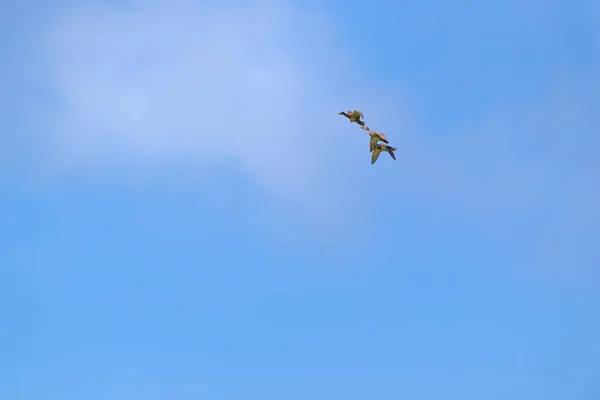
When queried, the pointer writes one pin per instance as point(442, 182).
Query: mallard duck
point(375, 137)
point(382, 147)
point(353, 116)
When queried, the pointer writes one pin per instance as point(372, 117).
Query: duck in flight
point(353, 116)
point(375, 137)
point(382, 147)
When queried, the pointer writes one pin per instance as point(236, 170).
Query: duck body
point(353, 116)
point(382, 147)
point(375, 137)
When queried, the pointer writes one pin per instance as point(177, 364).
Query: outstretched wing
point(391, 151)
point(375, 155)
point(382, 137)
point(373, 143)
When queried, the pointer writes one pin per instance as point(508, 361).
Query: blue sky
point(186, 216)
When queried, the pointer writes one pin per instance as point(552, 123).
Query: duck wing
point(391, 151)
point(375, 155)
point(382, 137)
point(373, 143)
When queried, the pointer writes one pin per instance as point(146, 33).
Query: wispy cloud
point(152, 82)
point(256, 86)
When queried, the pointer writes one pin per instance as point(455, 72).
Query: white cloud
point(257, 86)
point(249, 85)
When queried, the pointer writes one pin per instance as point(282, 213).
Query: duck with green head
point(353, 116)
point(382, 147)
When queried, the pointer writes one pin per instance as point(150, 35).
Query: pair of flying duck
point(374, 147)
